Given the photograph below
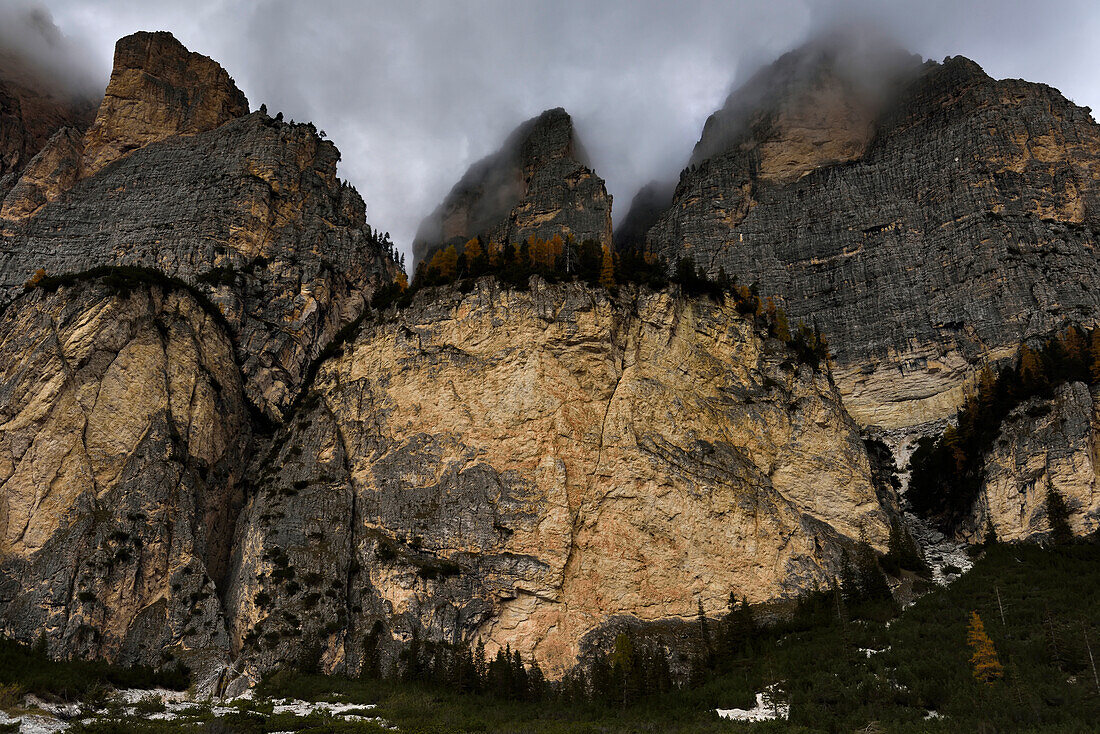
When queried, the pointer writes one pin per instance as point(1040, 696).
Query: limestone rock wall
point(964, 224)
point(247, 208)
point(123, 435)
point(158, 89)
point(521, 467)
point(1044, 445)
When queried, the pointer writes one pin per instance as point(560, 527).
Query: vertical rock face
point(158, 89)
point(250, 211)
point(538, 184)
point(123, 429)
point(204, 258)
point(523, 467)
point(51, 172)
point(924, 233)
point(1044, 445)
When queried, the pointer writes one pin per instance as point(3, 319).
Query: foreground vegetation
point(841, 666)
point(844, 662)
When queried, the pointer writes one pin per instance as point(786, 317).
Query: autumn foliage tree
point(984, 662)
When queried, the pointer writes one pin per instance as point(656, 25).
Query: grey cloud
point(413, 92)
point(28, 33)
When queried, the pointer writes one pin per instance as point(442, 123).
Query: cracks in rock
point(353, 528)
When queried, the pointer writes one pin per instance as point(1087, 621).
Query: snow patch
point(767, 709)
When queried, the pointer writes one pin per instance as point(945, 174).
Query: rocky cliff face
point(524, 485)
point(647, 206)
point(158, 89)
point(123, 429)
point(924, 234)
point(538, 184)
point(1044, 445)
point(251, 211)
point(196, 260)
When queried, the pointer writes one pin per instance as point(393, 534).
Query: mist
point(36, 49)
point(413, 92)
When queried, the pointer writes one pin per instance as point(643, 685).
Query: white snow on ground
point(133, 695)
point(176, 704)
point(35, 723)
point(765, 710)
point(869, 651)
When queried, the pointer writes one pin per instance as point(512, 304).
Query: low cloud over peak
point(414, 91)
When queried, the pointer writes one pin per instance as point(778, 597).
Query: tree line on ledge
point(948, 472)
point(562, 259)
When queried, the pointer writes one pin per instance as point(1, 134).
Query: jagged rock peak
point(550, 135)
point(539, 182)
point(158, 89)
point(813, 106)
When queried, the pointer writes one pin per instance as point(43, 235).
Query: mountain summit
point(538, 184)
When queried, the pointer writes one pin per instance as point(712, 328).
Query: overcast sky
point(413, 92)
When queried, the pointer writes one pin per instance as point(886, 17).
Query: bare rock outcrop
point(158, 89)
point(521, 467)
point(538, 184)
point(123, 435)
point(249, 209)
point(1044, 445)
point(50, 173)
point(926, 228)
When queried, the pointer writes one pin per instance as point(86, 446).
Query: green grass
point(32, 672)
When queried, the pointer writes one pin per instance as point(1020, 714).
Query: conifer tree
point(990, 534)
point(1033, 377)
point(1058, 518)
point(984, 662)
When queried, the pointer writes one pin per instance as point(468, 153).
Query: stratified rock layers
point(158, 89)
point(520, 467)
point(251, 212)
point(964, 224)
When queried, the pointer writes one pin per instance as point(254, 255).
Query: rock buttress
point(520, 467)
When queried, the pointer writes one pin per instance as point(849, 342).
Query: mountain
point(233, 438)
point(176, 175)
point(185, 262)
point(538, 184)
point(927, 223)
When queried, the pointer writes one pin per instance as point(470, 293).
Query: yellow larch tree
point(983, 656)
point(607, 269)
